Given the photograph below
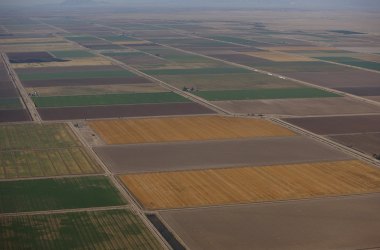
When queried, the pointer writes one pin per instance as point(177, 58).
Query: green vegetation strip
point(10, 103)
point(36, 136)
point(112, 229)
point(197, 71)
point(71, 54)
point(353, 62)
point(107, 99)
point(53, 194)
point(75, 75)
point(256, 94)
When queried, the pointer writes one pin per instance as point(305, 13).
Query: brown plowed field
point(114, 111)
point(133, 158)
point(67, 69)
point(252, 184)
point(333, 223)
point(85, 82)
point(368, 143)
point(16, 115)
point(184, 129)
point(350, 78)
point(339, 124)
point(362, 91)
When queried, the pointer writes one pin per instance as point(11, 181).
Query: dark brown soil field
point(32, 57)
point(214, 154)
point(8, 92)
point(368, 143)
point(242, 59)
point(362, 91)
point(352, 78)
point(299, 107)
point(115, 111)
point(67, 69)
point(103, 46)
point(308, 225)
point(16, 115)
point(339, 124)
point(85, 82)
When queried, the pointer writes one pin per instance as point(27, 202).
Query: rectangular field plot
point(14, 115)
point(353, 62)
point(149, 130)
point(339, 124)
point(10, 103)
point(332, 223)
point(36, 136)
point(368, 143)
point(251, 94)
point(107, 99)
point(72, 54)
point(214, 154)
point(300, 106)
point(252, 184)
point(117, 111)
point(196, 71)
point(41, 163)
point(112, 229)
point(52, 194)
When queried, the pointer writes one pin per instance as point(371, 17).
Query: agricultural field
point(310, 224)
point(30, 150)
point(358, 132)
point(190, 128)
point(214, 154)
point(251, 184)
point(112, 229)
point(59, 193)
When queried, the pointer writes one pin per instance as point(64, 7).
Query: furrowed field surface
point(192, 155)
point(107, 99)
point(36, 136)
point(30, 150)
point(334, 223)
point(14, 115)
point(252, 184)
point(60, 193)
point(190, 128)
point(113, 229)
point(251, 94)
point(117, 111)
point(353, 62)
point(279, 57)
point(300, 106)
point(196, 71)
point(227, 81)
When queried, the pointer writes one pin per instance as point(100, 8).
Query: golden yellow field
point(93, 61)
point(184, 128)
point(252, 184)
point(279, 56)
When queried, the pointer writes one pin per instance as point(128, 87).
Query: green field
point(112, 229)
point(227, 81)
point(197, 71)
point(36, 136)
point(43, 163)
point(53, 194)
point(257, 94)
point(353, 62)
point(75, 75)
point(71, 54)
point(107, 99)
point(10, 103)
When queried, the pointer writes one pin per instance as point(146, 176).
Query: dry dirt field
point(157, 157)
point(93, 61)
point(367, 142)
point(308, 225)
point(300, 107)
point(184, 129)
point(252, 184)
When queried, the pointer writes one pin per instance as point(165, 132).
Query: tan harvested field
point(350, 222)
point(188, 128)
point(252, 184)
point(97, 89)
point(299, 107)
point(279, 57)
point(93, 61)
